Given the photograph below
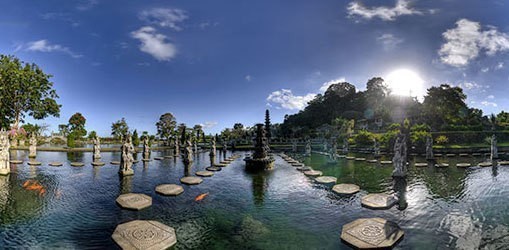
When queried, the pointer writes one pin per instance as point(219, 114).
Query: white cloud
point(44, 46)
point(466, 41)
point(209, 124)
point(389, 41)
point(248, 78)
point(474, 86)
point(484, 70)
point(401, 8)
point(486, 103)
point(165, 17)
point(326, 85)
point(288, 100)
point(491, 97)
point(154, 43)
point(500, 65)
point(84, 5)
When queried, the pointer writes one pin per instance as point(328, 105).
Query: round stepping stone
point(145, 160)
point(158, 158)
point(371, 233)
point(114, 162)
point(350, 158)
point(134, 201)
point(55, 164)
point(503, 163)
point(213, 169)
point(144, 234)
point(169, 189)
point(485, 164)
point(326, 179)
point(16, 161)
point(341, 156)
point(442, 165)
point(224, 162)
point(34, 163)
point(77, 164)
point(191, 180)
point(463, 155)
point(372, 161)
point(297, 165)
point(438, 155)
point(313, 173)
point(204, 173)
point(450, 155)
point(463, 165)
point(136, 161)
point(346, 188)
point(421, 164)
point(386, 162)
point(98, 163)
point(378, 201)
point(220, 165)
point(304, 168)
point(360, 159)
point(167, 156)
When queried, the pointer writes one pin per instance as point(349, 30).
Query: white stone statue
point(429, 148)
point(212, 146)
point(345, 146)
point(225, 145)
point(188, 153)
point(308, 147)
point(97, 148)
point(177, 147)
point(333, 150)
point(4, 153)
point(33, 146)
point(376, 148)
point(324, 145)
point(146, 148)
point(195, 144)
point(399, 159)
point(127, 159)
point(494, 149)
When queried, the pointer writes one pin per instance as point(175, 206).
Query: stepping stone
point(191, 180)
point(34, 163)
point(220, 165)
point(16, 161)
point(224, 162)
point(346, 188)
point(341, 156)
point(292, 162)
point(378, 201)
point(134, 201)
point(158, 158)
point(297, 165)
point(144, 234)
point(98, 163)
point(438, 155)
point(386, 162)
point(463, 155)
point(485, 164)
point(114, 162)
point(204, 173)
point(304, 168)
point(136, 161)
point(313, 173)
point(145, 160)
point(167, 156)
point(442, 165)
point(326, 179)
point(372, 161)
point(420, 164)
point(360, 159)
point(55, 164)
point(169, 189)
point(371, 233)
point(503, 163)
point(450, 155)
point(463, 165)
point(213, 169)
point(350, 158)
point(77, 164)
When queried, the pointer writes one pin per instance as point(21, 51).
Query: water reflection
point(188, 168)
point(400, 186)
point(259, 185)
point(75, 156)
point(4, 192)
point(126, 184)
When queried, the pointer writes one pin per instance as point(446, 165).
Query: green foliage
point(71, 140)
point(135, 138)
point(31, 128)
point(166, 125)
point(77, 125)
point(418, 135)
point(119, 128)
point(92, 134)
point(25, 89)
point(441, 140)
point(445, 105)
point(57, 141)
point(364, 138)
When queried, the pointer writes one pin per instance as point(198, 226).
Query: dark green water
point(282, 209)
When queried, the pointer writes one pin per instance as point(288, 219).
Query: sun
point(405, 82)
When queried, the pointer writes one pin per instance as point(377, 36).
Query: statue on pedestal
point(146, 148)
point(127, 159)
point(97, 148)
point(261, 160)
point(33, 146)
point(5, 168)
point(345, 146)
point(333, 150)
point(212, 147)
point(494, 149)
point(376, 148)
point(429, 148)
point(294, 145)
point(400, 156)
point(308, 147)
point(188, 153)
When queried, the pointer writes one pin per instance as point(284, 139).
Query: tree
point(445, 105)
point(198, 130)
point(25, 90)
point(31, 128)
point(166, 125)
point(63, 129)
point(135, 138)
point(267, 125)
point(92, 134)
point(77, 125)
point(182, 131)
point(119, 128)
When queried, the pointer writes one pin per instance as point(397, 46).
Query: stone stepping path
point(421, 164)
point(463, 155)
point(326, 179)
point(77, 164)
point(304, 168)
point(191, 180)
point(158, 158)
point(205, 173)
point(346, 189)
point(372, 161)
point(34, 163)
point(224, 162)
point(450, 155)
point(386, 162)
point(221, 165)
point(503, 163)
point(134, 201)
point(438, 155)
point(442, 165)
point(463, 165)
point(360, 159)
point(485, 164)
point(378, 201)
point(350, 158)
point(297, 164)
point(144, 234)
point(169, 189)
point(313, 173)
point(167, 157)
point(98, 163)
point(55, 164)
point(114, 162)
point(371, 233)
point(16, 161)
point(213, 169)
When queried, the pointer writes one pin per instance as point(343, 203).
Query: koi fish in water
point(201, 197)
point(34, 185)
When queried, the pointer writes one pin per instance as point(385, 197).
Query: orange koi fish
point(201, 197)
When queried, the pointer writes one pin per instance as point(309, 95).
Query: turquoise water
point(281, 209)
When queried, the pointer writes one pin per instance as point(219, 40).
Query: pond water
point(282, 209)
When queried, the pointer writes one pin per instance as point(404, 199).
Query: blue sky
point(220, 62)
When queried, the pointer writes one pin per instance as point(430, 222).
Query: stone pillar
point(5, 167)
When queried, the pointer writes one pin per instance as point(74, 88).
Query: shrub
point(57, 141)
point(71, 140)
point(364, 138)
point(441, 140)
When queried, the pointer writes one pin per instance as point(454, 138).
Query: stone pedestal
point(126, 172)
point(144, 234)
point(371, 233)
point(5, 171)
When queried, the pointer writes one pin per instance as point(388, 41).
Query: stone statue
point(188, 153)
point(308, 147)
point(429, 148)
point(195, 144)
point(146, 148)
point(376, 148)
point(177, 148)
point(494, 149)
point(127, 159)
point(212, 146)
point(97, 148)
point(324, 145)
point(4, 153)
point(33, 146)
point(225, 145)
point(294, 145)
point(345, 146)
point(333, 150)
point(400, 156)
point(261, 160)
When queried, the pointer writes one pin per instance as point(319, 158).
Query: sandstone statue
point(345, 146)
point(33, 146)
point(188, 153)
point(308, 147)
point(146, 148)
point(494, 149)
point(212, 147)
point(97, 148)
point(127, 159)
point(429, 148)
point(400, 156)
point(4, 153)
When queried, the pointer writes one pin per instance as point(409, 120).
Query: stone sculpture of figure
point(494, 149)
point(188, 152)
point(399, 159)
point(324, 145)
point(294, 145)
point(261, 144)
point(177, 148)
point(127, 159)
point(212, 147)
point(4, 153)
point(429, 148)
point(225, 145)
point(195, 144)
point(345, 146)
point(33, 146)
point(308, 147)
point(376, 148)
point(97, 148)
point(333, 150)
point(146, 148)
